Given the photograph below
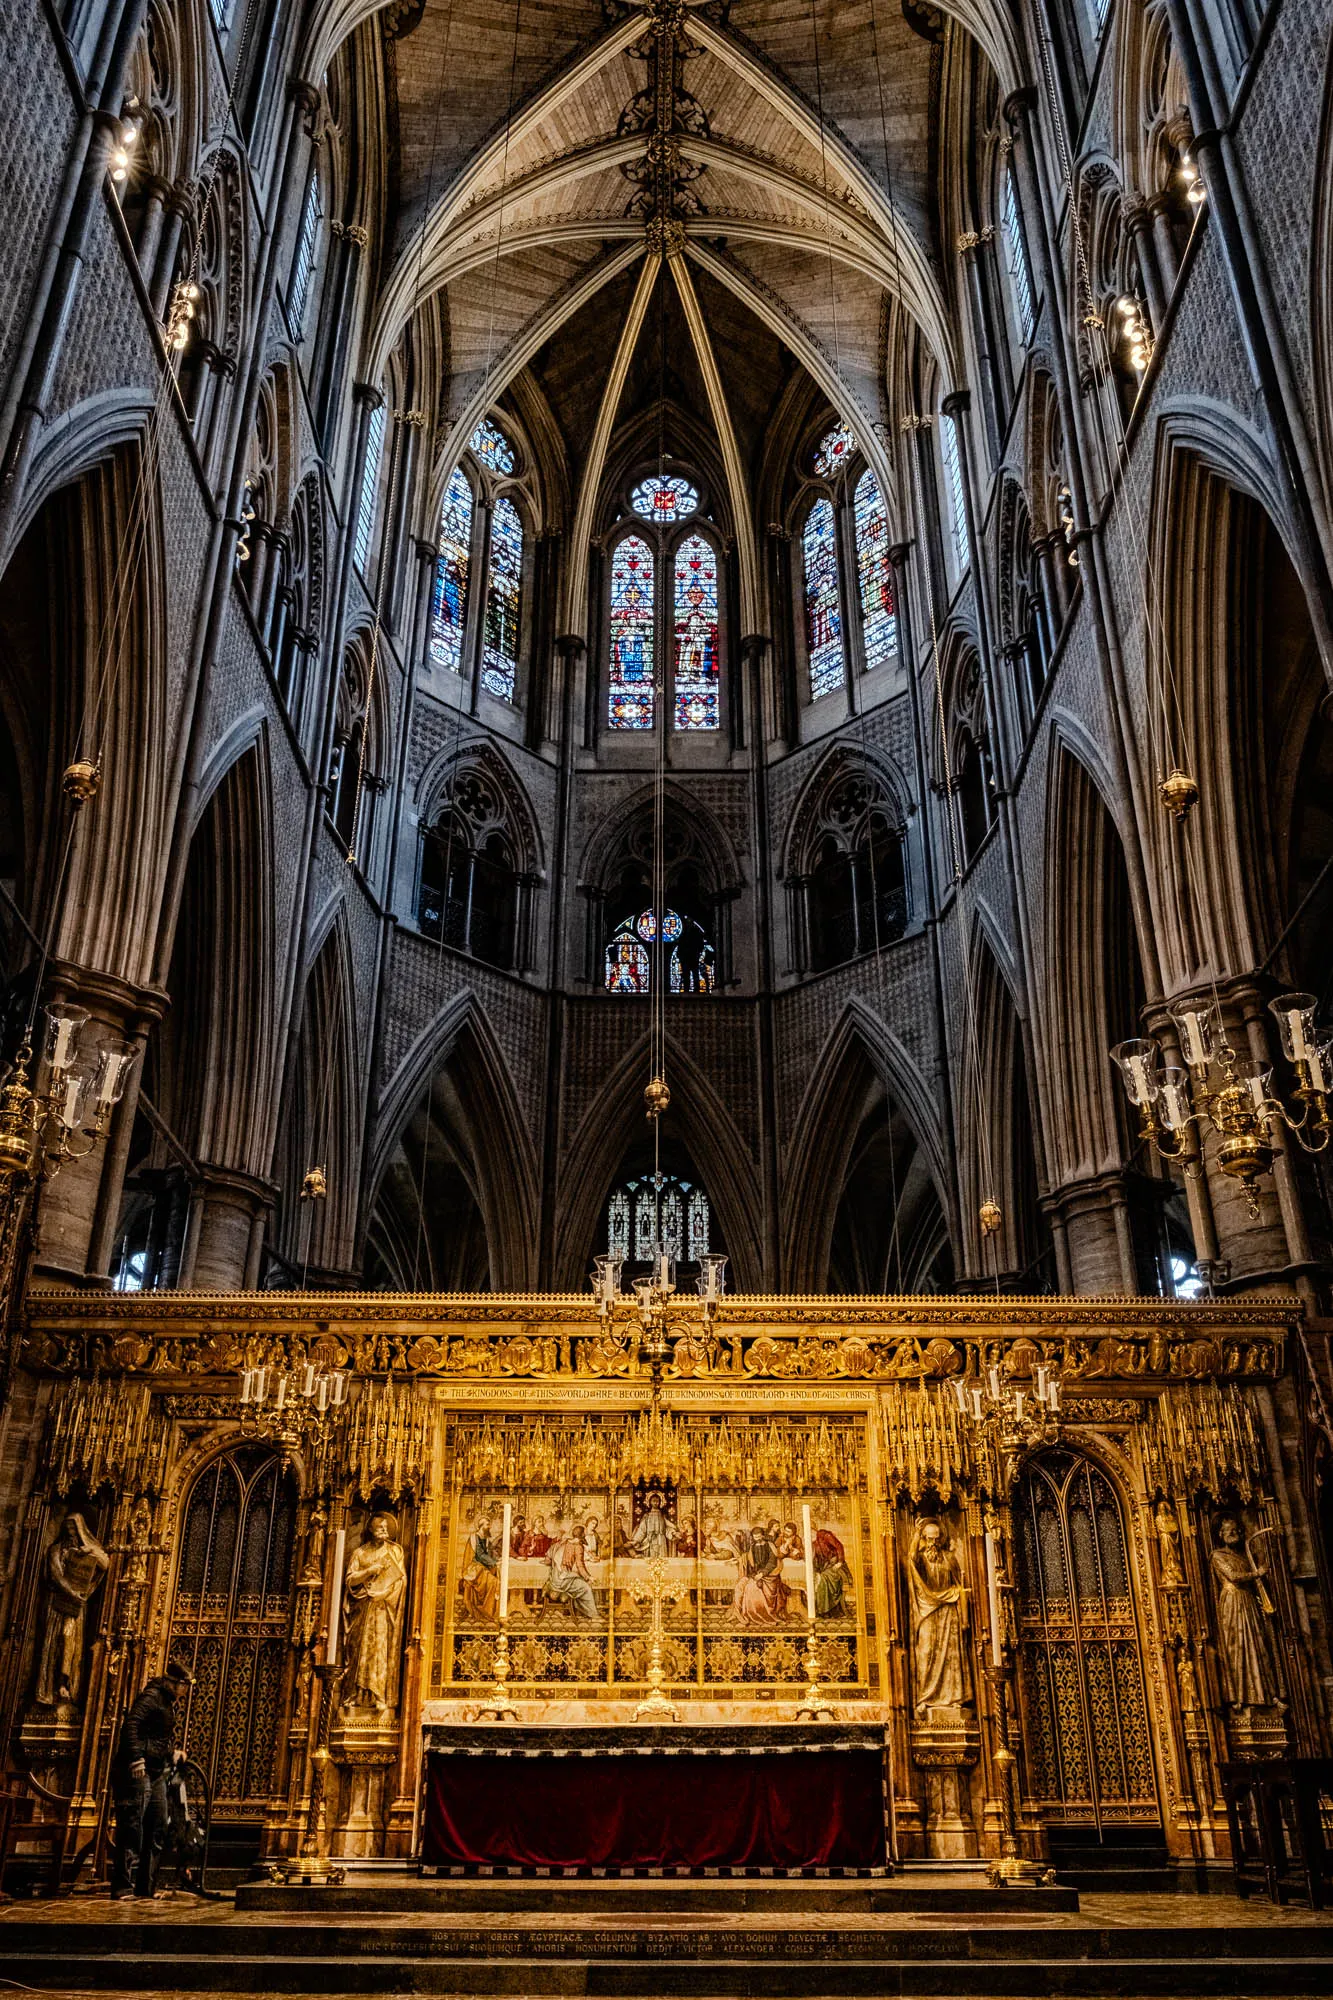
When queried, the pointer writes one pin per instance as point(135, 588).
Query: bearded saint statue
point(939, 1611)
point(373, 1593)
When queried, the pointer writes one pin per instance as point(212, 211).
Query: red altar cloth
point(803, 1809)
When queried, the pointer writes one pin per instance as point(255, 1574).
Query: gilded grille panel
point(1080, 1669)
point(231, 1621)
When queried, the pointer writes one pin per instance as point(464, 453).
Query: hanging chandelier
point(66, 1116)
point(1229, 1091)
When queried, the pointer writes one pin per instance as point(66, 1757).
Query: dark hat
point(177, 1671)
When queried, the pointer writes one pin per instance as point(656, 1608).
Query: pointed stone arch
point(699, 1119)
point(860, 1052)
point(457, 1071)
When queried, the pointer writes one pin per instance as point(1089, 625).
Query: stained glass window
point(627, 969)
point(823, 607)
point(698, 1225)
point(504, 591)
point(449, 601)
point(686, 1229)
point(1016, 259)
point(879, 618)
point(629, 956)
point(492, 447)
point(833, 451)
point(370, 479)
point(953, 473)
point(664, 499)
point(307, 249)
point(696, 635)
point(630, 692)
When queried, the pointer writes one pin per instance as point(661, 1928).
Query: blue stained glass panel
point(834, 450)
point(666, 499)
point(449, 599)
point(879, 614)
point(630, 688)
point(492, 447)
point(504, 593)
point(823, 606)
point(696, 635)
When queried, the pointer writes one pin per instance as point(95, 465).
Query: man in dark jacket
point(144, 1756)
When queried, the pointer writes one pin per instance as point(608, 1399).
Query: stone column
point(226, 1230)
point(79, 1208)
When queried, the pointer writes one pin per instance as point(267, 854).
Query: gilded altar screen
point(583, 1563)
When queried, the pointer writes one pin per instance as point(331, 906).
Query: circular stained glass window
point(647, 926)
point(664, 499)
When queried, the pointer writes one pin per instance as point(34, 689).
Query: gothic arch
point(222, 978)
point(322, 1124)
point(860, 1051)
point(699, 1119)
point(458, 1068)
point(1095, 983)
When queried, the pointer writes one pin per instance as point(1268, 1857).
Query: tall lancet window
point(449, 600)
point(874, 571)
point(504, 594)
point(630, 681)
point(823, 602)
point(696, 635)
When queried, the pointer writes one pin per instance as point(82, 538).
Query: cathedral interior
point(689, 640)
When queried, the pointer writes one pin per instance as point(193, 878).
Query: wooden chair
point(24, 1833)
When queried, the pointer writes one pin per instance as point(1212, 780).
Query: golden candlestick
point(657, 1591)
point(815, 1707)
point(498, 1707)
point(1010, 1869)
point(310, 1868)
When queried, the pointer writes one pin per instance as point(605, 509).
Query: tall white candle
point(993, 1594)
point(809, 1563)
point(504, 1563)
point(336, 1597)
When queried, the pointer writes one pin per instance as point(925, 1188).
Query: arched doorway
point(231, 1625)
point(1085, 1711)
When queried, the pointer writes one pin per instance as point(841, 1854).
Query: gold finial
point(657, 1097)
point(82, 781)
point(315, 1186)
point(990, 1218)
point(1178, 792)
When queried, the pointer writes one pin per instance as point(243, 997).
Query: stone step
point(626, 1896)
point(1098, 1978)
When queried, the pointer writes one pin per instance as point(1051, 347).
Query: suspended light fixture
point(1229, 1091)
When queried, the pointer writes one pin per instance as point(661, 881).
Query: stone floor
point(998, 1953)
point(1096, 1912)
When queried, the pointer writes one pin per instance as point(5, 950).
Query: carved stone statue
point(939, 1612)
point(373, 1592)
point(1168, 1546)
point(1249, 1673)
point(76, 1564)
